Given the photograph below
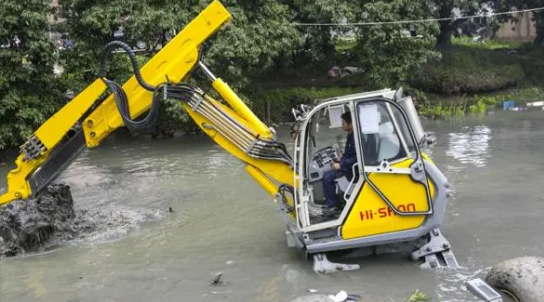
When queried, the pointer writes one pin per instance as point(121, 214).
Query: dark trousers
point(329, 187)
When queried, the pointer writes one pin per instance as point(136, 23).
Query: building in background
point(53, 19)
point(522, 30)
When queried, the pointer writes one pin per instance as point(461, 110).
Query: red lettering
point(386, 212)
point(389, 211)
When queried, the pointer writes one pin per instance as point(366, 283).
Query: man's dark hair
point(346, 116)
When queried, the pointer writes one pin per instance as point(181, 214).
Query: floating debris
point(339, 297)
point(536, 104)
point(353, 298)
point(217, 279)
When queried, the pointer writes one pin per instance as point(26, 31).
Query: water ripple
point(470, 147)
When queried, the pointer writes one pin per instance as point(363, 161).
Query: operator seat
point(342, 183)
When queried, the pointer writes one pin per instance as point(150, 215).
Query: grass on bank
point(469, 70)
point(490, 44)
point(438, 107)
point(281, 101)
point(469, 78)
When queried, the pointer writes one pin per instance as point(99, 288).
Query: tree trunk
point(539, 23)
point(446, 28)
point(444, 38)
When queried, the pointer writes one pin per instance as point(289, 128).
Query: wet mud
point(35, 224)
point(28, 225)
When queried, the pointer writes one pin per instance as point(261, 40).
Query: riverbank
point(469, 78)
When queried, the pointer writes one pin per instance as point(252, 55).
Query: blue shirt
point(349, 158)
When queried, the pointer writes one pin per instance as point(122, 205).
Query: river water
point(222, 221)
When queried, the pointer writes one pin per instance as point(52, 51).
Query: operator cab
point(326, 145)
point(386, 133)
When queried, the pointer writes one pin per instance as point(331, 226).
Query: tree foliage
point(29, 91)
point(319, 42)
point(249, 44)
point(261, 39)
point(445, 9)
point(255, 40)
point(386, 53)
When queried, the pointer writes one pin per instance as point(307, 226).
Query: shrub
point(469, 70)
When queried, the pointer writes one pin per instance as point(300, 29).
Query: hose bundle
point(246, 139)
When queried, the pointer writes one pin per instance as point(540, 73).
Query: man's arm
point(349, 158)
point(347, 163)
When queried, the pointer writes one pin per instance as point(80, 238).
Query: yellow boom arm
point(234, 127)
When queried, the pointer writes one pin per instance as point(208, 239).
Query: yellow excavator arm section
point(234, 126)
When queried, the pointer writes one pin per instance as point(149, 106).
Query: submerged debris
point(217, 279)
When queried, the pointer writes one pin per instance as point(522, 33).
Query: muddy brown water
point(224, 222)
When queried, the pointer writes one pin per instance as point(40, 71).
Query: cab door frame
point(304, 194)
point(417, 168)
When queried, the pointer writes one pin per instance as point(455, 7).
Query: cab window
point(379, 133)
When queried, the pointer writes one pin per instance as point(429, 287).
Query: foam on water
point(452, 287)
point(94, 226)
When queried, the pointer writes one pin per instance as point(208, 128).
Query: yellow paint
point(400, 190)
point(50, 134)
point(18, 187)
point(427, 158)
point(261, 179)
point(268, 185)
point(175, 60)
point(240, 107)
point(276, 170)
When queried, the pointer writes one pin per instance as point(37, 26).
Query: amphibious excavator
point(395, 202)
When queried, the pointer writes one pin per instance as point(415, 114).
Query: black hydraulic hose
point(121, 100)
point(178, 91)
point(181, 91)
point(281, 190)
point(109, 47)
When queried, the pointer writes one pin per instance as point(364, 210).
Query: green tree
point(386, 52)
point(256, 36)
point(444, 9)
point(29, 91)
point(253, 42)
point(319, 41)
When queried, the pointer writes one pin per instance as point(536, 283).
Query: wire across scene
point(420, 20)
